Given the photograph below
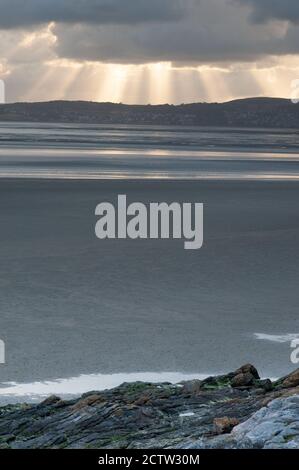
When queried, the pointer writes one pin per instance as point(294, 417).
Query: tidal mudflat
point(74, 305)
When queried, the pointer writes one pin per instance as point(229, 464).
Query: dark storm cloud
point(20, 13)
point(264, 10)
point(179, 31)
point(210, 31)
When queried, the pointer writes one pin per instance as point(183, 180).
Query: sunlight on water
point(60, 151)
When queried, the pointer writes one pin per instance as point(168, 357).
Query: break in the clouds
point(148, 50)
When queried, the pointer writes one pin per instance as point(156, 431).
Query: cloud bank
point(237, 36)
point(141, 31)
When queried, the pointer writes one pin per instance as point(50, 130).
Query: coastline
point(236, 410)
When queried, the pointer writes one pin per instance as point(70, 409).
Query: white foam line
point(286, 338)
point(86, 383)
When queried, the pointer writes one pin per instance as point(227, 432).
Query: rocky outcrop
point(237, 410)
point(272, 427)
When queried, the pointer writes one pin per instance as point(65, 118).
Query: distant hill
point(252, 112)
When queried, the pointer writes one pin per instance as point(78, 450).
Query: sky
point(149, 51)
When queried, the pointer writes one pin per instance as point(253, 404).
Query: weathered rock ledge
point(237, 410)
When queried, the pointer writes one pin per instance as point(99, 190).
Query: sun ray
point(160, 82)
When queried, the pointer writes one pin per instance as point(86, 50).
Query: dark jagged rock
point(195, 414)
point(242, 380)
point(248, 369)
point(292, 380)
point(51, 400)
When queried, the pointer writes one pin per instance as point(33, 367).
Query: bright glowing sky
point(148, 51)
